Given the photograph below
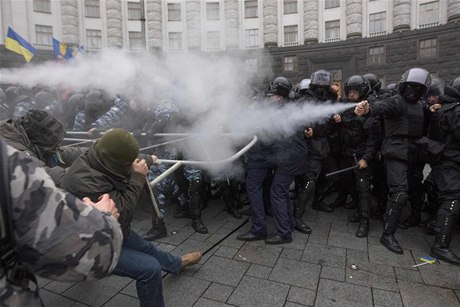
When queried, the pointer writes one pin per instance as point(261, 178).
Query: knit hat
point(117, 150)
point(42, 128)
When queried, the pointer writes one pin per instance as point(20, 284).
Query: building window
point(290, 6)
point(42, 6)
point(291, 35)
point(329, 4)
point(290, 63)
point(175, 40)
point(174, 12)
point(252, 38)
point(213, 40)
point(93, 39)
point(250, 65)
point(134, 10)
point(429, 14)
point(135, 40)
point(332, 30)
point(376, 55)
point(212, 11)
point(377, 23)
point(92, 8)
point(44, 35)
point(250, 9)
point(428, 48)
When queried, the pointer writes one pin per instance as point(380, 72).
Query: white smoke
point(212, 93)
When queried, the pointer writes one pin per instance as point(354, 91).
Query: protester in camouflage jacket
point(56, 235)
point(38, 134)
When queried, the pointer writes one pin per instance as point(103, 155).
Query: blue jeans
point(142, 261)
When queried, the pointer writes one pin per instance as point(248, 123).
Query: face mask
point(412, 94)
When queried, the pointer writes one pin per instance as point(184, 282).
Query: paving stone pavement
point(313, 270)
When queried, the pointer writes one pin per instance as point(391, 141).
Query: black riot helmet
point(321, 78)
point(304, 85)
point(436, 88)
point(414, 84)
point(374, 82)
point(280, 86)
point(456, 83)
point(359, 84)
point(321, 81)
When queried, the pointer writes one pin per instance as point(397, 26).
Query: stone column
point(310, 18)
point(354, 12)
point(453, 11)
point(154, 25)
point(193, 24)
point(114, 24)
point(70, 26)
point(231, 24)
point(270, 15)
point(401, 15)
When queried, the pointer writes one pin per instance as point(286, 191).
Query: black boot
point(229, 194)
point(413, 219)
point(322, 206)
point(157, 231)
point(299, 210)
point(356, 217)
point(195, 206)
point(363, 229)
point(389, 241)
point(390, 224)
point(448, 213)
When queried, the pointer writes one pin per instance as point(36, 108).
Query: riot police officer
point(403, 126)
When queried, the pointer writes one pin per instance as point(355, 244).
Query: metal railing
point(377, 33)
point(429, 25)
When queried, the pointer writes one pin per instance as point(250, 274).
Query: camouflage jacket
point(15, 135)
point(22, 108)
point(56, 236)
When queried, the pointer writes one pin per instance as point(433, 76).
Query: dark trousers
point(142, 261)
point(283, 211)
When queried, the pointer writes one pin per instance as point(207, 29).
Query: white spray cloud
point(213, 94)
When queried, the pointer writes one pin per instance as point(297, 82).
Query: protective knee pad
point(310, 186)
point(399, 198)
point(363, 184)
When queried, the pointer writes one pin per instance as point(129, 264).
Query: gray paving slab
point(254, 292)
point(291, 304)
point(182, 290)
point(96, 293)
point(51, 299)
point(122, 300)
point(225, 251)
point(293, 254)
point(419, 295)
point(317, 239)
point(333, 273)
point(347, 240)
point(379, 254)
point(203, 302)
point(180, 236)
point(416, 243)
point(336, 293)
point(191, 245)
point(260, 253)
point(386, 298)
point(222, 270)
point(458, 294)
point(441, 275)
point(371, 277)
point(218, 292)
point(320, 229)
point(408, 275)
point(58, 286)
point(296, 273)
point(299, 240)
point(324, 255)
point(356, 257)
point(259, 271)
point(301, 296)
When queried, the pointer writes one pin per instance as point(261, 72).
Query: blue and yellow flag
point(61, 50)
point(16, 43)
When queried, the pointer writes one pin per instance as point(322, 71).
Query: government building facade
point(296, 37)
